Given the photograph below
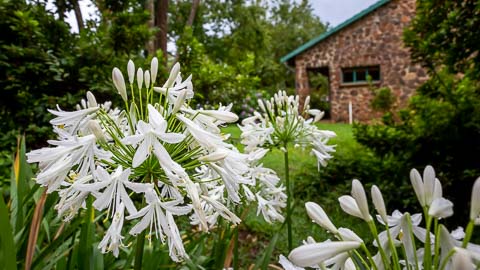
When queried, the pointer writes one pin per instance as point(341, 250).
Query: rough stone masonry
point(373, 40)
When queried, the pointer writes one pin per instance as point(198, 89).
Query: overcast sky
point(331, 11)
point(337, 11)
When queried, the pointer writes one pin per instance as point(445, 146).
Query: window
point(361, 74)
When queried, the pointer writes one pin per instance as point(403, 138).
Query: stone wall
point(374, 40)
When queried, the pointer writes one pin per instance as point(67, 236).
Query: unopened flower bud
point(261, 105)
point(213, 157)
point(91, 101)
point(140, 78)
point(119, 83)
point(147, 79)
point(361, 198)
point(179, 101)
point(379, 203)
point(173, 75)
point(312, 254)
point(475, 203)
point(225, 116)
point(154, 69)
point(96, 129)
point(307, 102)
point(318, 215)
point(131, 71)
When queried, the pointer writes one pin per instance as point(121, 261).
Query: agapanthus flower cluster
point(280, 123)
point(154, 160)
point(404, 243)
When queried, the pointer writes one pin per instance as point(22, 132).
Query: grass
point(308, 187)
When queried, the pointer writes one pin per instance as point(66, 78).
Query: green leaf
point(20, 186)
point(85, 247)
point(262, 261)
point(50, 249)
point(7, 245)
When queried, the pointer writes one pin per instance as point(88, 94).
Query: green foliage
point(319, 95)
point(441, 125)
point(383, 99)
point(43, 64)
point(7, 244)
point(446, 33)
point(233, 48)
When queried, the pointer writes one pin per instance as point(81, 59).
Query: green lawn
point(301, 160)
point(308, 187)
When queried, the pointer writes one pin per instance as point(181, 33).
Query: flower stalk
point(441, 249)
point(289, 199)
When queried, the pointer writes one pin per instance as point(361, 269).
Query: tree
point(161, 19)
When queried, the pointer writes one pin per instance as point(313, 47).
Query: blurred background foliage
point(232, 49)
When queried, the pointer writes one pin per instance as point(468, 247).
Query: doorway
point(319, 85)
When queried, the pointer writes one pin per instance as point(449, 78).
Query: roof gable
point(334, 30)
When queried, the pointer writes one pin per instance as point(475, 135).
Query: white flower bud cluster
point(279, 122)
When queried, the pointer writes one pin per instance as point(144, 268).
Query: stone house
point(362, 53)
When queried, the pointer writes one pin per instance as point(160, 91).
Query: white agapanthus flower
point(404, 244)
point(280, 122)
point(157, 158)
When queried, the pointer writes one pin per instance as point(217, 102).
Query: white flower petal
point(142, 153)
point(417, 184)
point(475, 203)
point(349, 206)
point(318, 215)
point(441, 208)
point(358, 193)
point(379, 203)
point(313, 254)
point(131, 71)
point(154, 69)
point(287, 265)
point(429, 184)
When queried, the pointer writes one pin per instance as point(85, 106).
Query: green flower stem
point(436, 252)
point(133, 95)
point(427, 257)
point(369, 256)
point(468, 233)
point(410, 234)
point(139, 251)
point(141, 103)
point(407, 263)
point(393, 248)
point(289, 200)
point(148, 95)
point(374, 232)
point(357, 254)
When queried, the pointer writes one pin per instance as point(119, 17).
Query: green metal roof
point(334, 30)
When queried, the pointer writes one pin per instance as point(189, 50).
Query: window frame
point(357, 69)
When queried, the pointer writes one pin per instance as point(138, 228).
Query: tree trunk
point(162, 24)
point(78, 14)
point(191, 18)
point(193, 11)
point(61, 8)
point(150, 6)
